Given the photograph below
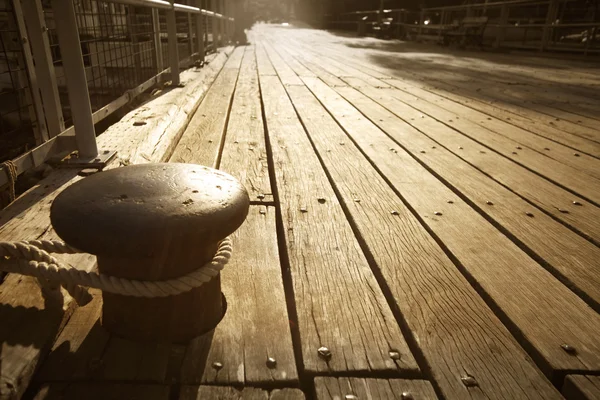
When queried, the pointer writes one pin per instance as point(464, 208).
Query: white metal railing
point(78, 65)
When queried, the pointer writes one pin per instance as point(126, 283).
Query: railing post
point(190, 33)
point(132, 28)
point(550, 18)
point(215, 25)
point(36, 109)
point(173, 50)
point(200, 32)
point(503, 21)
point(44, 69)
point(157, 41)
point(79, 99)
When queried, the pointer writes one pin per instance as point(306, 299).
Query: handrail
point(85, 131)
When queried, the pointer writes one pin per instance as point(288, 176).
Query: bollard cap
point(149, 210)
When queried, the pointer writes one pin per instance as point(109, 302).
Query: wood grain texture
point(544, 194)
point(203, 137)
point(102, 391)
point(256, 325)
point(29, 218)
point(445, 315)
point(230, 393)
point(373, 389)
point(245, 153)
point(512, 136)
point(573, 257)
point(581, 387)
point(338, 301)
point(486, 255)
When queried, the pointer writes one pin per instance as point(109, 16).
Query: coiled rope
point(10, 169)
point(32, 258)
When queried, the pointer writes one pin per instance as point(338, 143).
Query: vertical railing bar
point(173, 50)
point(199, 32)
point(40, 130)
point(157, 41)
point(44, 68)
point(215, 25)
point(81, 109)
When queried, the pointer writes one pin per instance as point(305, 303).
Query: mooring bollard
point(154, 222)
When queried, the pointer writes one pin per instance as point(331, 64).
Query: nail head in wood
point(577, 203)
point(271, 363)
point(437, 213)
point(568, 348)
point(324, 353)
point(350, 397)
point(469, 381)
point(394, 355)
point(217, 366)
point(406, 396)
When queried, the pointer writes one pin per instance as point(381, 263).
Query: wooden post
point(199, 33)
point(79, 98)
point(550, 18)
point(168, 221)
point(157, 41)
point(44, 68)
point(173, 46)
point(501, 34)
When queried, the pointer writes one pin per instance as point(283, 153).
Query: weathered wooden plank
point(102, 391)
point(338, 302)
point(573, 257)
point(544, 194)
point(245, 152)
point(480, 127)
point(203, 137)
point(242, 341)
point(373, 389)
point(229, 393)
point(563, 174)
point(576, 136)
point(28, 218)
point(424, 75)
point(447, 318)
point(509, 291)
point(287, 76)
point(581, 387)
point(256, 308)
point(77, 352)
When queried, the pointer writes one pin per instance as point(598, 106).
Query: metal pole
point(199, 33)
point(173, 50)
point(215, 25)
point(157, 41)
point(190, 33)
point(44, 69)
point(79, 99)
point(503, 21)
point(550, 18)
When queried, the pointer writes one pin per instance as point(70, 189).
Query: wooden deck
point(431, 217)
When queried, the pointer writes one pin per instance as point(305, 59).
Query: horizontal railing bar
point(65, 141)
point(165, 5)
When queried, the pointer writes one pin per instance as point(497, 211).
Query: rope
point(10, 169)
point(32, 258)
